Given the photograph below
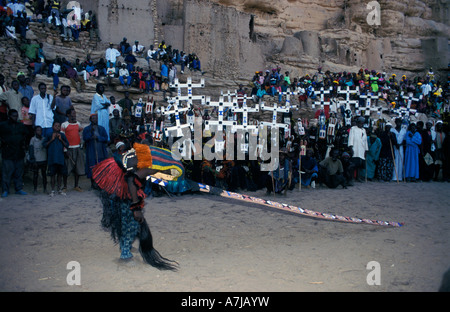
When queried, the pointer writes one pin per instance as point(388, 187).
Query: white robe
point(399, 156)
point(357, 138)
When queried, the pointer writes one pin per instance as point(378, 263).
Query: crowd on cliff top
point(16, 16)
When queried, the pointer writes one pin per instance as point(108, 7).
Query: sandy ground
point(223, 245)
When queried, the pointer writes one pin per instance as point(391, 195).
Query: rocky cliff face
point(234, 38)
point(302, 35)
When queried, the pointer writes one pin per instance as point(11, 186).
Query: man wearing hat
point(111, 55)
point(357, 142)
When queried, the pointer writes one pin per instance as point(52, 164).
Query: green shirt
point(333, 167)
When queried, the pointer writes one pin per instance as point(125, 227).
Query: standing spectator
point(62, 104)
point(24, 88)
point(114, 106)
point(357, 142)
point(399, 157)
point(100, 106)
point(13, 136)
point(75, 155)
point(439, 144)
point(26, 120)
point(3, 104)
point(38, 159)
point(386, 166)
point(96, 139)
point(115, 125)
point(111, 55)
point(41, 110)
point(13, 99)
point(413, 140)
point(127, 105)
point(372, 155)
point(55, 143)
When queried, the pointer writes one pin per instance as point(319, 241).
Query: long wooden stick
point(393, 159)
point(285, 207)
point(294, 209)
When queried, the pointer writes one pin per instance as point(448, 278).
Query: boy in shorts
point(75, 155)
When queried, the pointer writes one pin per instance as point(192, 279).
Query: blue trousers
point(130, 228)
point(122, 80)
point(12, 172)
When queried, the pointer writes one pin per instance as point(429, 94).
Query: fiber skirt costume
point(112, 177)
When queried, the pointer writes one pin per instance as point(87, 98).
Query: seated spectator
point(91, 70)
point(162, 50)
point(66, 30)
point(55, 7)
point(130, 60)
point(137, 49)
point(53, 21)
point(331, 171)
point(85, 23)
point(74, 28)
point(38, 68)
point(124, 74)
point(124, 47)
point(80, 69)
point(21, 24)
point(152, 54)
point(195, 63)
point(110, 74)
point(94, 26)
point(101, 67)
point(16, 7)
point(29, 50)
point(72, 74)
point(309, 168)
